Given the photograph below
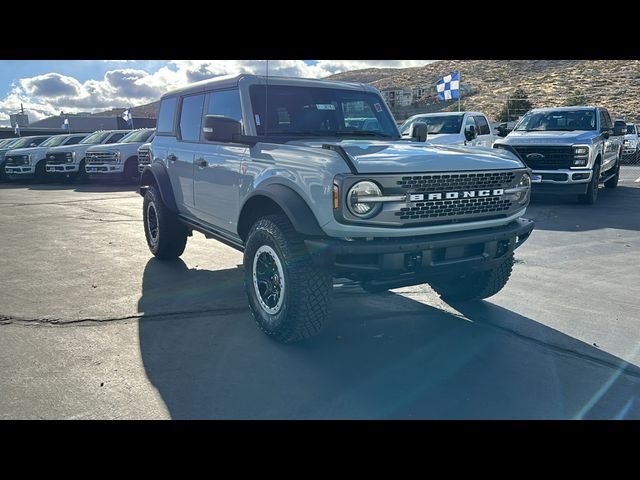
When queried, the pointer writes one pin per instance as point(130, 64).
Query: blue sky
point(47, 87)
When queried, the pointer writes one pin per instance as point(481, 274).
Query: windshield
point(27, 141)
point(137, 136)
point(436, 125)
point(558, 121)
point(315, 111)
point(7, 142)
point(54, 141)
point(631, 129)
point(96, 138)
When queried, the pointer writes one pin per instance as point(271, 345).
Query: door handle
point(171, 157)
point(201, 162)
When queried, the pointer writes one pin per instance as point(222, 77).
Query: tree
point(516, 105)
point(577, 99)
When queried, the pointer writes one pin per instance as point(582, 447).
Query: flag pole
point(459, 91)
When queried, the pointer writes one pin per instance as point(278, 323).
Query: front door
point(218, 167)
point(485, 137)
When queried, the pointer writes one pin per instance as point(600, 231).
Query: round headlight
point(357, 199)
point(525, 181)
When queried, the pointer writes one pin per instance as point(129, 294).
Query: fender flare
point(292, 204)
point(157, 173)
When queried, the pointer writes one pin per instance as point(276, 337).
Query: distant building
point(92, 123)
point(397, 97)
point(20, 119)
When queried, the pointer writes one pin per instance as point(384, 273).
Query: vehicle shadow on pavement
point(380, 356)
point(614, 209)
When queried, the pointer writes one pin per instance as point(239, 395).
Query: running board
point(210, 232)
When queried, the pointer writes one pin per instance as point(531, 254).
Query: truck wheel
point(166, 236)
point(591, 196)
point(131, 174)
point(41, 171)
point(82, 176)
point(613, 181)
point(289, 296)
point(475, 286)
point(3, 174)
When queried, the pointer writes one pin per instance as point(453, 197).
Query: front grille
point(456, 181)
point(100, 157)
point(457, 207)
point(144, 157)
point(14, 160)
point(56, 158)
point(555, 157)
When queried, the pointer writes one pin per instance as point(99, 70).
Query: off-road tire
point(591, 196)
point(613, 181)
point(308, 289)
point(477, 285)
point(170, 237)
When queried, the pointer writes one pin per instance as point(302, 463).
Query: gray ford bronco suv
point(571, 150)
point(276, 168)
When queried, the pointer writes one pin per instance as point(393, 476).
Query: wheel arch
point(156, 175)
point(276, 198)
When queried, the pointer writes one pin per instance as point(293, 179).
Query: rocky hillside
point(614, 84)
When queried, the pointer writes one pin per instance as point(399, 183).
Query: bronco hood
point(410, 157)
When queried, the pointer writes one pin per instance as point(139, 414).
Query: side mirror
point(470, 133)
point(419, 132)
point(218, 128)
point(606, 132)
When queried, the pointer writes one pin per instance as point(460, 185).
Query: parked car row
point(571, 150)
point(106, 153)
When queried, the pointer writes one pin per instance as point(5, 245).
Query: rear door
point(485, 137)
point(217, 172)
point(611, 145)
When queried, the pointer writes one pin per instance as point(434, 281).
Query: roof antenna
point(266, 104)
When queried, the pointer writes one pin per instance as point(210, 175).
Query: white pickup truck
point(452, 128)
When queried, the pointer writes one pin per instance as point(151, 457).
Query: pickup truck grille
point(56, 158)
point(100, 157)
point(144, 157)
point(554, 157)
point(15, 160)
point(456, 181)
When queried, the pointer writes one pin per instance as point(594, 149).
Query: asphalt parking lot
point(91, 326)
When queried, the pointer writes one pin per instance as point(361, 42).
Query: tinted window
point(436, 124)
point(605, 120)
point(483, 125)
point(631, 129)
point(319, 111)
point(95, 138)
point(167, 115)
point(74, 140)
point(225, 103)
point(558, 121)
point(137, 136)
point(116, 137)
point(470, 122)
point(190, 117)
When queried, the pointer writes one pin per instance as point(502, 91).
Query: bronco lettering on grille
point(418, 197)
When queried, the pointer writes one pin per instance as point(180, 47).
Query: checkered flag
point(449, 87)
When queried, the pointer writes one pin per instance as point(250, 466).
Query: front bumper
point(63, 168)
point(20, 171)
point(562, 181)
point(431, 255)
point(104, 168)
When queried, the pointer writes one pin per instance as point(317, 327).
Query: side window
point(605, 120)
point(483, 125)
point(73, 140)
point(225, 103)
point(115, 137)
point(190, 117)
point(167, 115)
point(469, 122)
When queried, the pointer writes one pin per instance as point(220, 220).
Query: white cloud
point(48, 94)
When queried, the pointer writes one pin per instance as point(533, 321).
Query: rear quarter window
point(167, 115)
